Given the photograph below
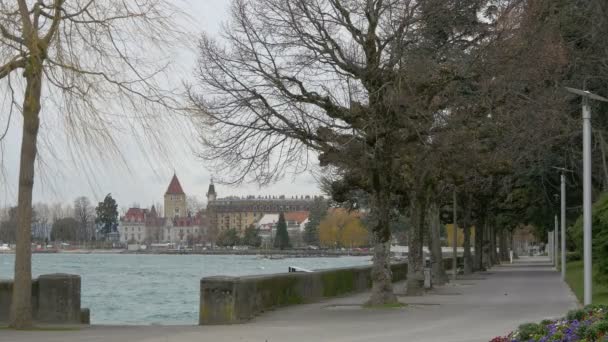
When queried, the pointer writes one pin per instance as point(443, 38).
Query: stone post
point(59, 298)
point(6, 292)
point(217, 303)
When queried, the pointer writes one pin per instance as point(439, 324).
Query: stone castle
point(241, 212)
point(180, 226)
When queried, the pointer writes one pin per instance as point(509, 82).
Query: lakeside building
point(296, 222)
point(179, 226)
point(240, 212)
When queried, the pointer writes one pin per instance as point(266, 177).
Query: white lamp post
point(555, 244)
point(455, 238)
point(587, 187)
point(563, 218)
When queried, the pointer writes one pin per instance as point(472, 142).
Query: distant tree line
point(78, 223)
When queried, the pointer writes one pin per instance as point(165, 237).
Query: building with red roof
point(147, 226)
point(175, 199)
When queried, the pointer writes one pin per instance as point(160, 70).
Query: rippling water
point(155, 289)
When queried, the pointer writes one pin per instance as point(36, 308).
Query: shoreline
point(263, 253)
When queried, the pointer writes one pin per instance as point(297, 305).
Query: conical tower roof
point(175, 188)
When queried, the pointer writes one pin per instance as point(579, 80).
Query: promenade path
point(474, 308)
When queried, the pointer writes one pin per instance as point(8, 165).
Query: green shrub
point(573, 256)
point(530, 330)
point(597, 329)
point(545, 322)
point(582, 330)
point(589, 324)
point(576, 314)
point(600, 236)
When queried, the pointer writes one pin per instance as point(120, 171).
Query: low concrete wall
point(55, 300)
point(230, 300)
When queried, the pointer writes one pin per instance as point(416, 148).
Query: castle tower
point(211, 194)
point(175, 199)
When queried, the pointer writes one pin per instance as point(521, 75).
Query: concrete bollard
point(85, 316)
point(428, 281)
point(59, 298)
point(217, 301)
point(6, 292)
point(6, 298)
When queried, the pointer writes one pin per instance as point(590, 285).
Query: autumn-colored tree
point(354, 234)
point(341, 228)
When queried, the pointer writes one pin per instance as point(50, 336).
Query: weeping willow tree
point(90, 62)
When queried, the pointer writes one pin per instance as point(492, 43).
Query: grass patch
point(574, 278)
point(385, 306)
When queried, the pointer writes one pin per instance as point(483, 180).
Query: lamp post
point(563, 217)
point(555, 238)
point(586, 95)
point(455, 238)
point(563, 212)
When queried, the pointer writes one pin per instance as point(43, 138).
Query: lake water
point(156, 289)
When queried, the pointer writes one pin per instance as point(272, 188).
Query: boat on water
point(274, 257)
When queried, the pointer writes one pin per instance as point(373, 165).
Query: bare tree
point(194, 205)
point(83, 213)
point(44, 222)
point(93, 60)
point(329, 76)
point(304, 75)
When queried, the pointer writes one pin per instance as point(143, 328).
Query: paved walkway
point(474, 308)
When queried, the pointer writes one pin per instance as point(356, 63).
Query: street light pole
point(563, 219)
point(455, 237)
point(555, 239)
point(587, 188)
point(587, 201)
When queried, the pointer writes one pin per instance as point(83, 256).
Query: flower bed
point(589, 324)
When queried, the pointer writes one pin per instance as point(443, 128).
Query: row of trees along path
point(404, 102)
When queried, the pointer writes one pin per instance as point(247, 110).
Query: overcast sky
point(61, 177)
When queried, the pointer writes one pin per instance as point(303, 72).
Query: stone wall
point(229, 300)
point(55, 300)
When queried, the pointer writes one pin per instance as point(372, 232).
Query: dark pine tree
point(281, 239)
point(107, 215)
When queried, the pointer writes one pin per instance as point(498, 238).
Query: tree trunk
point(434, 237)
point(466, 227)
point(21, 308)
point(382, 285)
point(512, 243)
point(493, 254)
point(504, 248)
point(468, 260)
point(480, 232)
point(415, 257)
